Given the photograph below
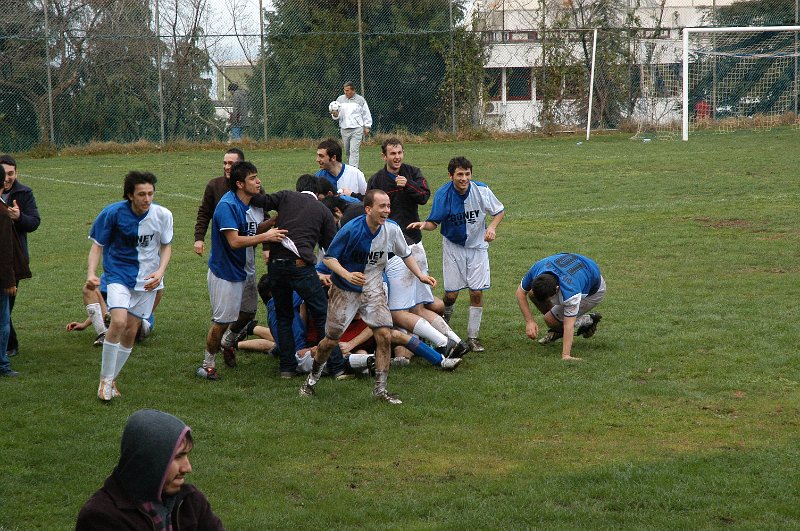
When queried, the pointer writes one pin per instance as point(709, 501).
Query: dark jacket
point(127, 500)
point(405, 200)
point(29, 219)
point(13, 262)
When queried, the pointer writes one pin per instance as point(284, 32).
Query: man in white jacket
point(354, 120)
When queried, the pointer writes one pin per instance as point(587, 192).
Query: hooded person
point(146, 490)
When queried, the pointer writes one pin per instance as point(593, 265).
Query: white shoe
point(449, 364)
point(105, 391)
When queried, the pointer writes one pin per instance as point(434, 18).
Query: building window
point(518, 84)
point(494, 78)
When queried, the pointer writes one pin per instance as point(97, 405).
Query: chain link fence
point(80, 71)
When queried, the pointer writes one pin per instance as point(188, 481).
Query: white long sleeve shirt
point(353, 112)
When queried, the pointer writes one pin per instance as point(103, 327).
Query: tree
point(312, 49)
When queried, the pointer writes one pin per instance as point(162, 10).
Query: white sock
point(440, 325)
point(123, 353)
point(108, 362)
point(96, 316)
point(305, 362)
point(424, 330)
point(358, 361)
point(474, 322)
point(210, 360)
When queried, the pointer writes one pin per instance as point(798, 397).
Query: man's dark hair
point(239, 172)
point(2, 172)
point(369, 198)
point(9, 160)
point(333, 202)
point(332, 148)
point(236, 151)
point(349, 84)
point(233, 87)
point(544, 286)
point(458, 162)
point(263, 289)
point(137, 177)
point(391, 141)
point(325, 186)
point(307, 183)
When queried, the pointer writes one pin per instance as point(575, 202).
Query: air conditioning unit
point(494, 108)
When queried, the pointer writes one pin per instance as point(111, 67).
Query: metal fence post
point(263, 67)
point(160, 80)
point(49, 74)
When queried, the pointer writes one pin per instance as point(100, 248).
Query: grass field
point(684, 412)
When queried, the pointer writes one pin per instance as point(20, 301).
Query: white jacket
point(353, 112)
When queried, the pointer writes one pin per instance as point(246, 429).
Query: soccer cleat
point(229, 355)
point(589, 330)
point(209, 373)
point(449, 364)
point(385, 396)
point(114, 391)
point(461, 349)
point(342, 376)
point(400, 361)
point(550, 336)
point(98, 341)
point(475, 345)
point(105, 391)
point(10, 373)
point(307, 389)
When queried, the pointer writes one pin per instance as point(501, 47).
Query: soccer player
point(564, 287)
point(460, 207)
point(346, 179)
point(233, 232)
point(133, 237)
point(407, 190)
point(357, 259)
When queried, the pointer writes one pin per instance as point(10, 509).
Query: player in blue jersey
point(233, 232)
point(564, 287)
point(357, 258)
point(133, 238)
point(460, 208)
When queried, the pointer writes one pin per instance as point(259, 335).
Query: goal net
point(739, 78)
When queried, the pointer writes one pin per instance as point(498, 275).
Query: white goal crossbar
point(688, 31)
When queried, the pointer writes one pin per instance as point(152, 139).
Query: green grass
point(683, 413)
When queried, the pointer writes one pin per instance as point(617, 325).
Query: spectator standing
point(355, 121)
point(23, 212)
point(13, 267)
point(238, 119)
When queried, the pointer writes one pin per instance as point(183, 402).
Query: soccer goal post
point(738, 73)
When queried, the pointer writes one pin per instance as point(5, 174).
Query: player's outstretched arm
point(531, 328)
point(569, 333)
point(422, 225)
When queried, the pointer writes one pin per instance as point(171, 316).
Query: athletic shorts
point(226, 298)
point(343, 306)
point(587, 303)
point(406, 290)
point(250, 295)
point(138, 303)
point(463, 267)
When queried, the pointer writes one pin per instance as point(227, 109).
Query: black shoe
point(460, 350)
point(589, 330)
point(250, 328)
point(10, 373)
point(12, 352)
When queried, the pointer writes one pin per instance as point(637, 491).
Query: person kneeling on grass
point(564, 287)
point(147, 489)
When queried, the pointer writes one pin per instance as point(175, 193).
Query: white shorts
point(464, 268)
point(587, 303)
point(138, 303)
point(343, 306)
point(226, 298)
point(250, 295)
point(406, 290)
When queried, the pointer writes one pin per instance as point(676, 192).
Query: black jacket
point(405, 199)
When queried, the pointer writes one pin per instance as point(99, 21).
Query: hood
point(149, 443)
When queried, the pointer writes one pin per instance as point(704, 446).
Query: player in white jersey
point(460, 208)
point(346, 179)
point(134, 238)
point(357, 258)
